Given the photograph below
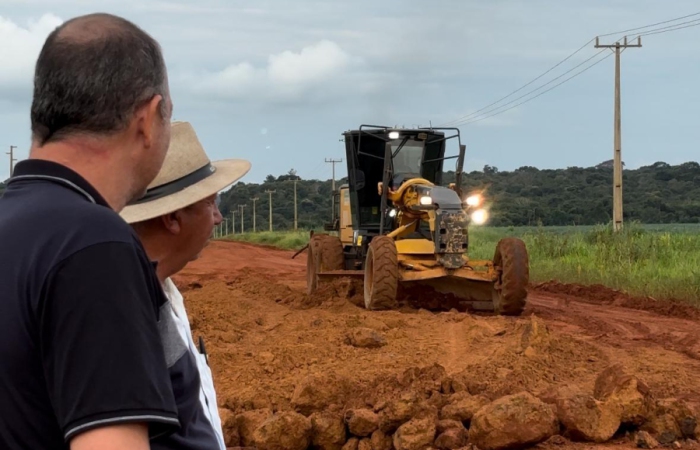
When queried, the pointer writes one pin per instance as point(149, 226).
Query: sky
point(277, 82)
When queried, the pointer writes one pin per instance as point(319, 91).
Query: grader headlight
point(475, 200)
point(426, 200)
point(480, 216)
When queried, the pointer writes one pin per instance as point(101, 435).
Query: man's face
point(197, 226)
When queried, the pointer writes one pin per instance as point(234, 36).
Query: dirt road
point(269, 343)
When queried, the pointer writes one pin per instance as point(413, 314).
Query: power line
point(694, 23)
point(649, 26)
point(465, 119)
point(537, 89)
point(522, 87)
point(541, 93)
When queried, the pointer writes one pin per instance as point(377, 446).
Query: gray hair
point(92, 74)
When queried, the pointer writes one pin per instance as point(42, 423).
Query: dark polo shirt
point(81, 336)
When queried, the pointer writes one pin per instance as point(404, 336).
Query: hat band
point(176, 185)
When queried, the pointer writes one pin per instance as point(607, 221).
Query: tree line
point(659, 193)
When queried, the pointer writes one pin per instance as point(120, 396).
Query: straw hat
point(187, 176)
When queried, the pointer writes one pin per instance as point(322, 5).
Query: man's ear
point(146, 119)
point(172, 222)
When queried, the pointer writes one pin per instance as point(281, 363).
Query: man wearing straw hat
point(175, 220)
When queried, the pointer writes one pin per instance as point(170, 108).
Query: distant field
point(662, 261)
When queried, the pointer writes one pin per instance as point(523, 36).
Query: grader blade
point(470, 294)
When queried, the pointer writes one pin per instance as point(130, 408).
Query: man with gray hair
point(82, 363)
point(175, 220)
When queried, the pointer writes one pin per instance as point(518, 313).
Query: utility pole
point(295, 205)
point(233, 222)
point(226, 221)
point(242, 217)
point(254, 199)
point(333, 162)
point(12, 158)
point(269, 194)
point(617, 158)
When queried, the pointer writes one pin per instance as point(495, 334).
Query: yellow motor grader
point(396, 223)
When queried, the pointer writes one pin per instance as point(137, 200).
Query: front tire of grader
point(510, 291)
point(333, 257)
point(381, 274)
point(325, 253)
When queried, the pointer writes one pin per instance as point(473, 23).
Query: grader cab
point(396, 223)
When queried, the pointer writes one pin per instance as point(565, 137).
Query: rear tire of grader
point(381, 274)
point(325, 253)
point(510, 290)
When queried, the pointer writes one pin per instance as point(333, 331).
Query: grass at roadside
point(287, 240)
point(658, 261)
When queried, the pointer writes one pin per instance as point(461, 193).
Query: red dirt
point(265, 336)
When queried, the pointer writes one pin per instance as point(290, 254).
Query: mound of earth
point(299, 371)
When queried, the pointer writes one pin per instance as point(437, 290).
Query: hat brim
point(227, 172)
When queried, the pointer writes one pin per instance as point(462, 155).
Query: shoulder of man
point(88, 229)
point(100, 314)
point(97, 223)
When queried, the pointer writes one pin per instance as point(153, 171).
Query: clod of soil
point(462, 406)
point(687, 419)
point(246, 425)
point(365, 338)
point(229, 427)
point(516, 420)
point(328, 431)
point(615, 384)
point(664, 428)
point(351, 444)
point(645, 440)
point(417, 433)
point(317, 392)
point(398, 411)
point(361, 422)
point(283, 431)
point(364, 444)
point(446, 424)
point(452, 438)
point(586, 419)
point(381, 441)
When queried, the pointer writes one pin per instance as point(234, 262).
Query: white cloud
point(288, 76)
point(21, 46)
point(313, 64)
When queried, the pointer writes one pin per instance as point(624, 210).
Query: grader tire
point(381, 274)
point(510, 293)
point(313, 262)
point(332, 256)
point(325, 253)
